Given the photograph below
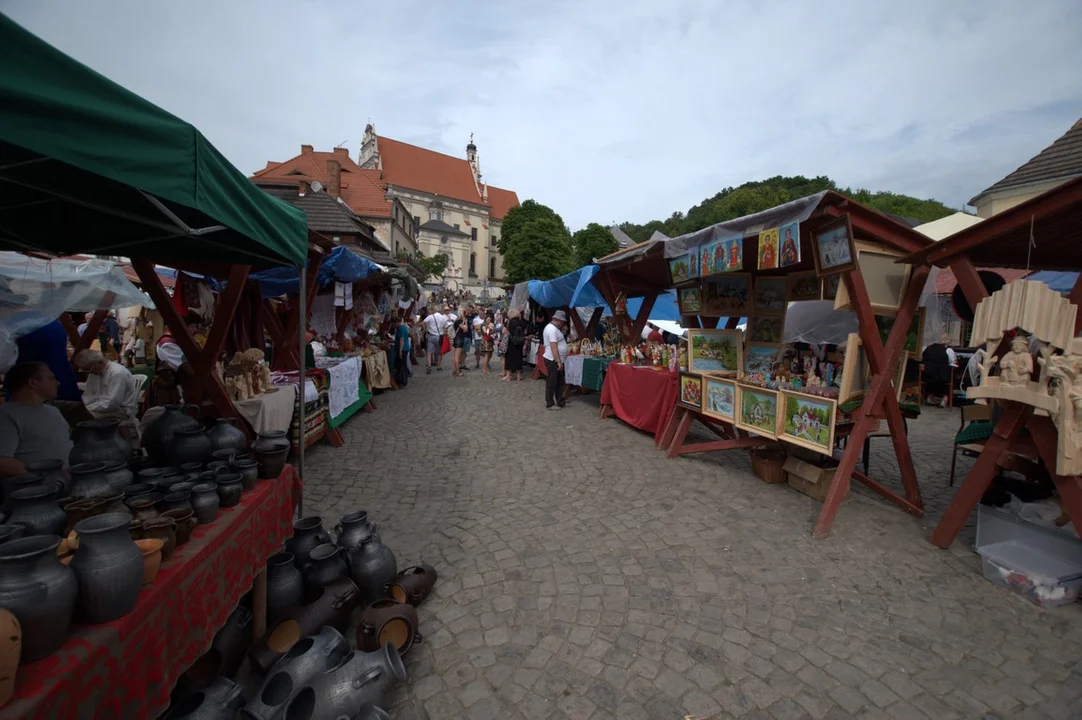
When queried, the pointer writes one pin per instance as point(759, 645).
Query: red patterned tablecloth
point(127, 668)
point(640, 396)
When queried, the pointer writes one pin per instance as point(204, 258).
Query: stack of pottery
point(108, 568)
point(308, 533)
point(97, 441)
point(360, 679)
point(225, 435)
point(248, 469)
point(118, 475)
point(230, 489)
point(159, 433)
point(314, 655)
point(353, 529)
point(184, 522)
point(271, 449)
point(17, 482)
point(35, 508)
point(189, 445)
point(39, 591)
point(53, 470)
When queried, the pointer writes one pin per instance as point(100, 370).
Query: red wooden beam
point(224, 314)
point(731, 323)
point(972, 285)
point(1045, 435)
point(643, 316)
point(595, 320)
point(70, 329)
point(82, 342)
point(576, 322)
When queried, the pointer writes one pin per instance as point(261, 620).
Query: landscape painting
point(691, 391)
point(758, 411)
point(770, 295)
point(679, 270)
point(761, 358)
point(691, 301)
point(719, 398)
point(832, 245)
point(808, 421)
point(726, 294)
point(766, 328)
point(804, 286)
point(714, 351)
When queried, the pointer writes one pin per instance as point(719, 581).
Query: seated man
point(110, 389)
point(30, 429)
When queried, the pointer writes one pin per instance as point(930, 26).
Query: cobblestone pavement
point(585, 576)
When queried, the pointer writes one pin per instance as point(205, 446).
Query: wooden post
point(1045, 437)
point(203, 365)
point(643, 316)
point(595, 319)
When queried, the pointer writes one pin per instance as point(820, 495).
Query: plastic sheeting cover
point(520, 298)
point(341, 265)
point(571, 290)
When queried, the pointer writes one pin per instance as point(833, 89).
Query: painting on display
point(766, 329)
point(760, 357)
point(719, 398)
point(854, 379)
point(768, 249)
point(770, 295)
point(758, 410)
point(717, 252)
point(805, 286)
point(832, 245)
point(706, 261)
point(808, 421)
point(831, 283)
point(885, 323)
point(691, 301)
point(691, 391)
point(726, 294)
point(734, 254)
point(693, 264)
point(714, 351)
point(789, 237)
point(679, 270)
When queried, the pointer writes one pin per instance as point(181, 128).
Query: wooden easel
point(730, 437)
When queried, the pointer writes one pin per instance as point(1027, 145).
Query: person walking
point(555, 346)
point(488, 344)
point(434, 325)
point(516, 340)
point(402, 346)
point(459, 345)
point(477, 323)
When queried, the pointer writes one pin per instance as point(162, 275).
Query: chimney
point(306, 149)
point(334, 178)
point(341, 152)
point(304, 188)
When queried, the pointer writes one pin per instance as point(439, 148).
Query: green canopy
point(88, 167)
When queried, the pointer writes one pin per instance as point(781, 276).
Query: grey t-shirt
point(32, 433)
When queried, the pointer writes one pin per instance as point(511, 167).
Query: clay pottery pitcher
point(11, 647)
point(38, 590)
point(220, 700)
point(37, 510)
point(108, 566)
point(308, 658)
point(143, 508)
point(285, 585)
point(248, 469)
point(230, 489)
point(271, 449)
point(372, 567)
point(205, 502)
point(360, 678)
point(387, 621)
point(53, 470)
point(159, 433)
point(185, 522)
point(225, 435)
point(151, 548)
point(89, 480)
point(308, 532)
point(354, 528)
point(413, 584)
point(178, 500)
point(16, 482)
point(9, 532)
point(161, 528)
point(97, 441)
point(189, 444)
point(118, 475)
point(326, 563)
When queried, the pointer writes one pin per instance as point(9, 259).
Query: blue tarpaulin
point(571, 290)
point(341, 265)
point(1059, 280)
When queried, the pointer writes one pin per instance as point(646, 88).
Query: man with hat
point(555, 354)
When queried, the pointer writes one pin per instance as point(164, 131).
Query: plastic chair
point(976, 425)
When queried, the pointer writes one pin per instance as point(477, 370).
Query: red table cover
point(640, 396)
point(128, 667)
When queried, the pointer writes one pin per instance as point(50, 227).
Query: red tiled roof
point(360, 189)
point(945, 281)
point(500, 201)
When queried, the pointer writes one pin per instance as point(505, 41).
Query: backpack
point(517, 335)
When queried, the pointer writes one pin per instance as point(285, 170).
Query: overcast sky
point(609, 110)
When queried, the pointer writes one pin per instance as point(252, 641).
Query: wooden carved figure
point(265, 375)
point(1064, 369)
point(1016, 367)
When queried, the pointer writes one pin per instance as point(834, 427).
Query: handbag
point(445, 346)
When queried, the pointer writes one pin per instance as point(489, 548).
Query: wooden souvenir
point(768, 329)
point(1067, 390)
point(726, 295)
point(1029, 305)
point(719, 398)
point(832, 246)
point(804, 286)
point(770, 295)
point(760, 357)
point(691, 391)
point(719, 352)
point(757, 410)
point(807, 421)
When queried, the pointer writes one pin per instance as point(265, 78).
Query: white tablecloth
point(345, 376)
point(531, 351)
point(573, 370)
point(269, 411)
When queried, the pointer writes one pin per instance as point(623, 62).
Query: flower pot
point(159, 433)
point(180, 500)
point(220, 700)
point(325, 565)
point(205, 502)
point(118, 475)
point(185, 522)
point(309, 657)
point(271, 450)
point(36, 509)
point(152, 557)
point(108, 567)
point(40, 591)
point(285, 585)
point(413, 584)
point(225, 435)
point(97, 441)
point(372, 567)
point(360, 678)
point(248, 469)
point(11, 647)
point(229, 489)
point(53, 470)
point(308, 532)
point(189, 444)
point(355, 528)
point(161, 528)
point(387, 622)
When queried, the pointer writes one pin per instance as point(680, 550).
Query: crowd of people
point(471, 329)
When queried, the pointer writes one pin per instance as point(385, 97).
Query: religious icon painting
point(832, 245)
point(717, 253)
point(734, 254)
point(768, 249)
point(691, 301)
point(691, 391)
point(789, 237)
point(706, 261)
point(831, 283)
point(693, 264)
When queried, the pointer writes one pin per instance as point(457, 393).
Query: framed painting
point(854, 378)
point(768, 249)
point(717, 255)
point(706, 260)
point(885, 323)
point(734, 253)
point(719, 398)
point(805, 286)
point(757, 410)
point(690, 300)
point(715, 351)
point(789, 237)
point(771, 295)
point(766, 329)
point(807, 421)
point(832, 246)
point(691, 391)
point(885, 279)
point(679, 270)
point(726, 295)
point(693, 264)
point(831, 283)
point(760, 357)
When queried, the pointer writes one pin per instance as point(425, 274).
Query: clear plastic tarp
point(35, 291)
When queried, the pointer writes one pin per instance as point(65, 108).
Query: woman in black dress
point(516, 341)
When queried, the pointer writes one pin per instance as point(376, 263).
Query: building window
point(473, 264)
point(417, 220)
point(473, 234)
point(457, 227)
point(492, 267)
point(443, 240)
point(435, 213)
point(493, 240)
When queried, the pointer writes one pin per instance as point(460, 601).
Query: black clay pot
point(229, 489)
point(40, 591)
point(139, 489)
point(97, 441)
point(220, 700)
point(191, 470)
point(205, 502)
point(371, 712)
point(181, 487)
point(413, 584)
point(226, 651)
point(248, 469)
point(151, 476)
point(189, 444)
point(180, 500)
point(225, 435)
point(387, 622)
point(308, 658)
point(161, 528)
point(185, 522)
point(355, 528)
point(53, 470)
point(360, 678)
point(37, 510)
point(285, 585)
point(159, 433)
point(14, 531)
point(271, 450)
point(17, 482)
point(372, 567)
point(108, 566)
point(118, 475)
point(89, 480)
point(217, 467)
point(326, 564)
point(143, 507)
point(308, 532)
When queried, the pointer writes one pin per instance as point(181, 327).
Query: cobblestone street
point(583, 575)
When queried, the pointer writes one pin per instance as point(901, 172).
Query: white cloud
point(610, 109)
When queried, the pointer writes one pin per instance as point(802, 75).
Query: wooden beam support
point(203, 365)
point(69, 329)
point(576, 322)
point(731, 323)
point(643, 316)
point(966, 275)
point(1046, 436)
point(595, 320)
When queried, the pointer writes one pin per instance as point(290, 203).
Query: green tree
point(432, 266)
point(593, 241)
point(540, 249)
point(518, 216)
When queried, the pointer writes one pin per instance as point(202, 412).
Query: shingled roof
point(325, 214)
point(1062, 160)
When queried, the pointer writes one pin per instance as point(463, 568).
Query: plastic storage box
point(1041, 578)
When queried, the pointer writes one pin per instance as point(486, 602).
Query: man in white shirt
point(552, 338)
point(110, 388)
point(435, 325)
